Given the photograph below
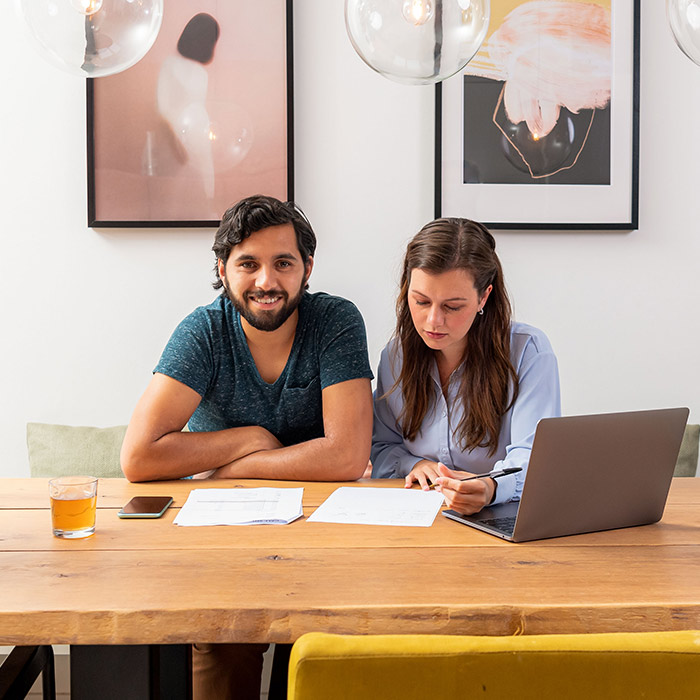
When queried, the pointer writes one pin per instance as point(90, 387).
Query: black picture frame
point(123, 205)
point(556, 201)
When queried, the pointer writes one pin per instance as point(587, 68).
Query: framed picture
point(541, 129)
point(204, 119)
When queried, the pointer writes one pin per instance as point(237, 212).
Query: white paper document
point(240, 506)
point(375, 506)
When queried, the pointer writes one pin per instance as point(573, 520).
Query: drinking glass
point(73, 501)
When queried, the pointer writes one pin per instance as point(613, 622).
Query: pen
point(491, 475)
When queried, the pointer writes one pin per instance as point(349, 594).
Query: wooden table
point(151, 582)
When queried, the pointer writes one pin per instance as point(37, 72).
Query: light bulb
point(86, 7)
point(539, 155)
point(417, 12)
point(93, 38)
point(684, 18)
point(416, 42)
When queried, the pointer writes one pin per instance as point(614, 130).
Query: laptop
point(590, 473)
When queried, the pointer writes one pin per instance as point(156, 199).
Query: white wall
point(86, 313)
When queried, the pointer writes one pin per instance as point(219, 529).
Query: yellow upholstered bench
point(654, 666)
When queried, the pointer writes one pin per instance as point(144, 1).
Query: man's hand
point(260, 439)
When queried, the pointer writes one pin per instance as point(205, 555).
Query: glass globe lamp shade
point(93, 38)
point(417, 42)
point(684, 18)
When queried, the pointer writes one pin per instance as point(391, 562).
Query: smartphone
point(145, 507)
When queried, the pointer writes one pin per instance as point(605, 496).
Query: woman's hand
point(422, 472)
point(463, 496)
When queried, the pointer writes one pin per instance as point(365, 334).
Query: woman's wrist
point(495, 489)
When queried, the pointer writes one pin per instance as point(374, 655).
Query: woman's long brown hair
point(489, 383)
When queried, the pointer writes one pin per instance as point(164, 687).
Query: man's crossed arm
point(156, 448)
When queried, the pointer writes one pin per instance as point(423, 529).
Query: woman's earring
point(481, 311)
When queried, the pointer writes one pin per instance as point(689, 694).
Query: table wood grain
point(149, 581)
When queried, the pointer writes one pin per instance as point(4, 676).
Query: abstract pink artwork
point(201, 121)
point(550, 61)
point(548, 101)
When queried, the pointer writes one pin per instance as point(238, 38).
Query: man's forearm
point(179, 454)
point(341, 455)
point(321, 459)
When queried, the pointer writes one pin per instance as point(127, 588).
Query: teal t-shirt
point(209, 353)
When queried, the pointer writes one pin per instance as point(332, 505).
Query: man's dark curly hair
point(254, 214)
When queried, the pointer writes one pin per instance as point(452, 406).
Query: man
point(272, 381)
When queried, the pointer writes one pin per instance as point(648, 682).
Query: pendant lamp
point(93, 38)
point(417, 42)
point(684, 18)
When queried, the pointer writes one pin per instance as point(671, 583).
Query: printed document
point(241, 506)
point(376, 506)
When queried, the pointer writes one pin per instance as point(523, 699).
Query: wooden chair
point(22, 667)
point(654, 666)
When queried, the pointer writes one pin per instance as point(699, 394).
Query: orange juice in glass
point(73, 500)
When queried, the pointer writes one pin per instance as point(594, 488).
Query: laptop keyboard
point(506, 525)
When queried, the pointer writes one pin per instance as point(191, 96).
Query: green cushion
point(687, 464)
point(65, 450)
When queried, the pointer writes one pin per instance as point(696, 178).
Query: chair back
point(66, 450)
point(655, 666)
point(687, 463)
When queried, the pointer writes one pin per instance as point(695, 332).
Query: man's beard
point(266, 320)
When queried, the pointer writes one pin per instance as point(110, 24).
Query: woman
point(182, 94)
point(461, 385)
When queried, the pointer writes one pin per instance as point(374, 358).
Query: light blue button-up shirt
point(538, 397)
